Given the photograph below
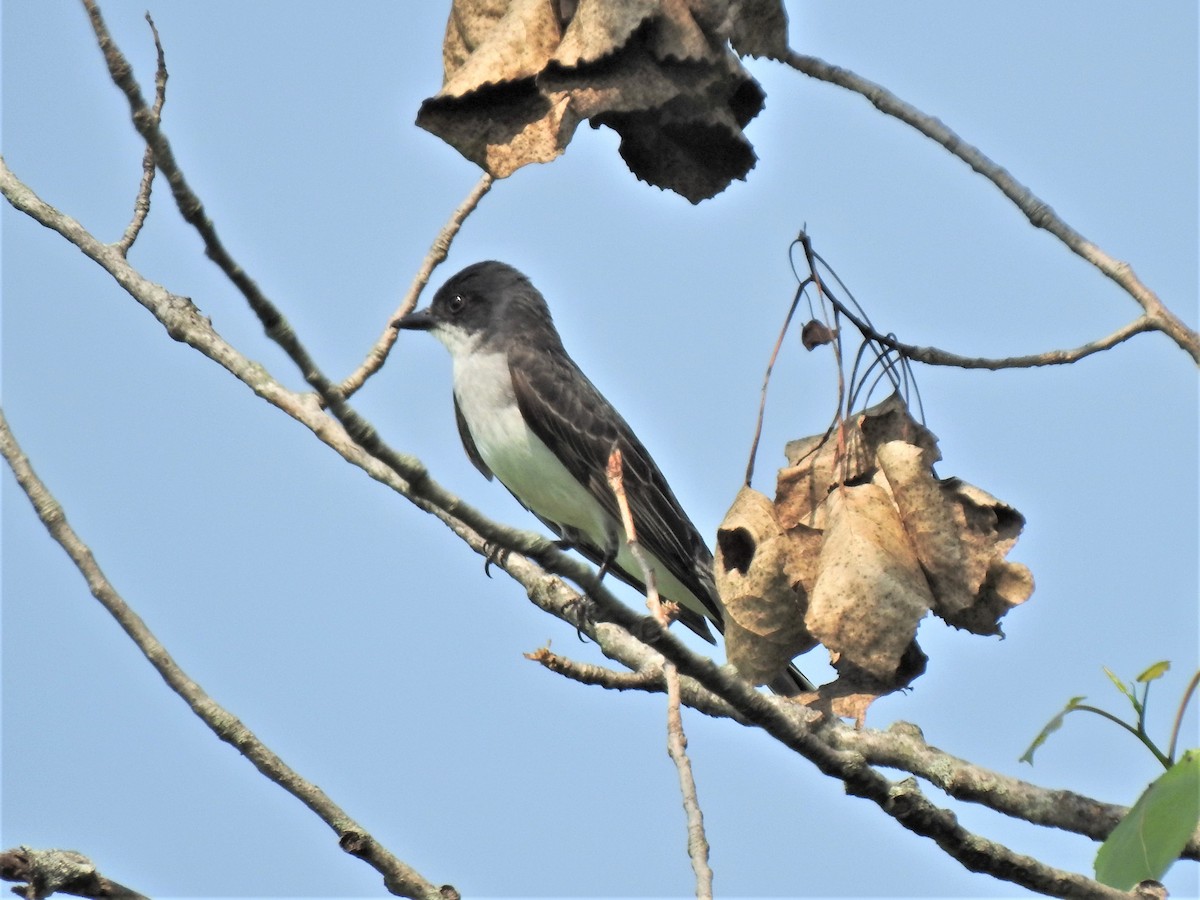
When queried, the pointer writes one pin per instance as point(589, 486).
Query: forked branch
point(1156, 315)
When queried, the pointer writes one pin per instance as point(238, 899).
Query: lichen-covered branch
point(47, 872)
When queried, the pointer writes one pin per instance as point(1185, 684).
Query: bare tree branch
point(697, 842)
point(47, 872)
point(1040, 215)
point(903, 747)
point(141, 204)
point(278, 329)
point(677, 749)
point(935, 357)
point(435, 257)
point(400, 878)
point(648, 679)
point(794, 726)
point(797, 727)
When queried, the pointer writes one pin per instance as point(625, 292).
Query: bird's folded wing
point(581, 428)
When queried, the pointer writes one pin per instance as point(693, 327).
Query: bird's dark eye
point(456, 303)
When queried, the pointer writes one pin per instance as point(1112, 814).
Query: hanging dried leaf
point(763, 576)
point(816, 464)
point(989, 529)
point(816, 333)
point(521, 75)
point(759, 28)
point(855, 690)
point(929, 521)
point(897, 540)
point(870, 591)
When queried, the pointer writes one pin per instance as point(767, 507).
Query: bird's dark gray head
point(485, 304)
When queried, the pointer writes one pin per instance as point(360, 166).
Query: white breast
point(525, 465)
point(517, 456)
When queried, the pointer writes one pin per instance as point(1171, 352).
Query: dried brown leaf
point(988, 528)
point(517, 85)
point(816, 464)
point(760, 28)
point(677, 37)
point(854, 690)
point(598, 30)
point(489, 42)
point(763, 574)
point(929, 521)
point(870, 591)
point(816, 333)
point(898, 541)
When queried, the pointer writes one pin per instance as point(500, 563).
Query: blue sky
point(360, 639)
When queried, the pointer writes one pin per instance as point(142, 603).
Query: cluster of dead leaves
point(520, 75)
point(861, 541)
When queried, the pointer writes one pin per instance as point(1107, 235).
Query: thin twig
point(1138, 731)
point(697, 842)
point(1183, 704)
point(378, 354)
point(843, 410)
point(935, 357)
point(616, 483)
point(1040, 215)
point(762, 400)
point(646, 679)
point(400, 878)
point(677, 749)
point(141, 204)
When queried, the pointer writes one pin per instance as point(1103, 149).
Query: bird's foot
point(581, 611)
point(495, 554)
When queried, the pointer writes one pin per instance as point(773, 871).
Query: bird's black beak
point(418, 320)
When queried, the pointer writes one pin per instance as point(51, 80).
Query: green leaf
point(1124, 689)
point(1155, 831)
point(1052, 726)
point(1155, 671)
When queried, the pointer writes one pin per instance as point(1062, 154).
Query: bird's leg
point(585, 601)
point(607, 561)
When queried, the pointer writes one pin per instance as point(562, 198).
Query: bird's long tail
point(791, 682)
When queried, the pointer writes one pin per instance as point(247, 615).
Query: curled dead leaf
point(818, 463)
point(855, 690)
point(989, 529)
point(929, 522)
point(862, 540)
point(898, 540)
point(816, 333)
point(761, 573)
point(521, 74)
point(870, 591)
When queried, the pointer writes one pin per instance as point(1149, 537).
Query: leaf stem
point(1138, 732)
point(1187, 696)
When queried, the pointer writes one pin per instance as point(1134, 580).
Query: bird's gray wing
point(581, 428)
point(468, 442)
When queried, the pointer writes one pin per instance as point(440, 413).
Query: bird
point(529, 417)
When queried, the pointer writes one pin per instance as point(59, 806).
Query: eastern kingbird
point(528, 416)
